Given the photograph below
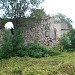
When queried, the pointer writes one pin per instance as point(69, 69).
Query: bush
point(1, 54)
point(59, 47)
point(13, 46)
point(11, 43)
point(7, 46)
point(17, 40)
point(68, 40)
point(65, 41)
point(36, 50)
point(71, 35)
point(23, 52)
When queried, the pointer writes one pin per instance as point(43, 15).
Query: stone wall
point(45, 32)
point(37, 32)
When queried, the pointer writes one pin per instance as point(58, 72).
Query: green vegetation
point(13, 45)
point(62, 18)
point(68, 40)
point(37, 14)
point(35, 59)
point(37, 50)
point(17, 8)
point(71, 35)
point(17, 41)
point(65, 41)
point(62, 64)
point(7, 47)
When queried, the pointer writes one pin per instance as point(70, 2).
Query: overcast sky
point(66, 7)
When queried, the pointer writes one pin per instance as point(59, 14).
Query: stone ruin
point(46, 32)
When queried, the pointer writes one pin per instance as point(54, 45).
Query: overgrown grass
point(63, 64)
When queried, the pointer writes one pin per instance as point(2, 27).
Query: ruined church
point(46, 32)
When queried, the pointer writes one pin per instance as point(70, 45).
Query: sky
point(66, 7)
point(9, 25)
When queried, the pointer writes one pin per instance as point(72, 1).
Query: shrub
point(11, 44)
point(59, 47)
point(1, 54)
point(36, 50)
point(65, 41)
point(17, 40)
point(23, 52)
point(7, 46)
point(68, 40)
point(71, 35)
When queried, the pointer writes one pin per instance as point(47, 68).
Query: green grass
point(63, 64)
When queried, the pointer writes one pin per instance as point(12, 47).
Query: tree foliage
point(37, 13)
point(7, 46)
point(71, 35)
point(62, 18)
point(17, 40)
point(11, 44)
point(65, 41)
point(68, 40)
point(17, 8)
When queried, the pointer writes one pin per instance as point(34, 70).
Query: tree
point(37, 14)
point(62, 18)
point(68, 40)
point(17, 40)
point(71, 35)
point(7, 47)
point(65, 41)
point(11, 45)
point(17, 8)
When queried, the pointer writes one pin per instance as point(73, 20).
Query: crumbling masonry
point(45, 32)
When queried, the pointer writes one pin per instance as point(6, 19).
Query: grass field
point(63, 64)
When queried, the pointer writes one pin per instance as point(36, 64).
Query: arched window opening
point(9, 25)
